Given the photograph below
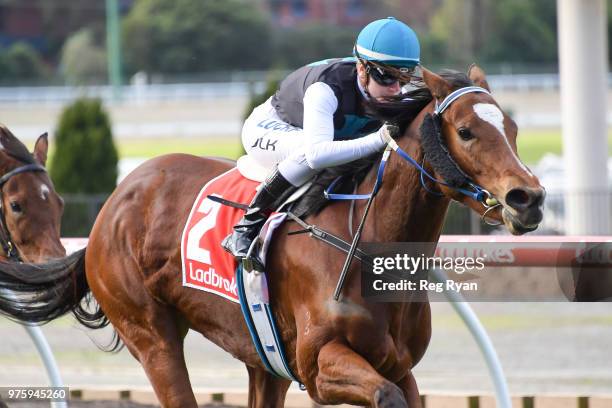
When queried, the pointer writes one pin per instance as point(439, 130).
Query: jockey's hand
point(388, 132)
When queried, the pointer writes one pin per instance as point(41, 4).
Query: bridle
point(10, 249)
point(488, 201)
point(473, 191)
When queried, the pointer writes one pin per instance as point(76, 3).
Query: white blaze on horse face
point(44, 191)
point(492, 115)
point(495, 117)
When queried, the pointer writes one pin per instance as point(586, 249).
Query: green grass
point(533, 144)
point(224, 147)
point(148, 148)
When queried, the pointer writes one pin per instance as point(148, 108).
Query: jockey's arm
point(320, 104)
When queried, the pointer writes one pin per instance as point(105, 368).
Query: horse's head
point(480, 138)
point(30, 209)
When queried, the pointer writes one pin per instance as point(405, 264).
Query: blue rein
point(478, 193)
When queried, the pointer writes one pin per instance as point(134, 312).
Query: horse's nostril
point(519, 199)
point(522, 199)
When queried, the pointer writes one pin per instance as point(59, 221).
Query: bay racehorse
point(350, 351)
point(30, 209)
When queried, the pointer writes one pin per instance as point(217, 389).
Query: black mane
point(456, 79)
point(13, 146)
point(403, 108)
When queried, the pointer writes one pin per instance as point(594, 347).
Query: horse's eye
point(465, 134)
point(15, 207)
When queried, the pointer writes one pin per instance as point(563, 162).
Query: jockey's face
point(376, 90)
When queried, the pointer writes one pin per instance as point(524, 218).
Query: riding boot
point(271, 194)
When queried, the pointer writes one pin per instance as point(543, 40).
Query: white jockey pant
point(270, 141)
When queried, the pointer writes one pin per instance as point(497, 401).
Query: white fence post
point(502, 395)
point(48, 359)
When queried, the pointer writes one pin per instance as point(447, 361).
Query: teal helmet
point(388, 41)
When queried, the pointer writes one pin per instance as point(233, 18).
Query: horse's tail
point(39, 293)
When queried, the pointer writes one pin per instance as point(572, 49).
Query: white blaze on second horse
point(491, 114)
point(44, 191)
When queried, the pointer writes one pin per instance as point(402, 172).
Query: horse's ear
point(477, 75)
point(40, 149)
point(438, 87)
point(5, 136)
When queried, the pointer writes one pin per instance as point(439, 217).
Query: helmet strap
point(367, 77)
point(365, 88)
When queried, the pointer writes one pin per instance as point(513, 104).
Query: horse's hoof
point(389, 396)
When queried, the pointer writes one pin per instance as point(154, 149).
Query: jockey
point(317, 119)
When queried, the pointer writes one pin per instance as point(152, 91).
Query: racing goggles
point(387, 77)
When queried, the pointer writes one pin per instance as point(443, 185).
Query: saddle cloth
point(206, 265)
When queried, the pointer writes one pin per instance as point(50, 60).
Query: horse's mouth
point(518, 227)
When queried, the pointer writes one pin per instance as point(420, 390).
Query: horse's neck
point(403, 210)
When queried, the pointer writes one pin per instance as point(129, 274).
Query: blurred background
point(116, 82)
point(180, 76)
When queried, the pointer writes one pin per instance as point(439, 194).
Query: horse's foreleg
point(346, 377)
point(266, 390)
point(409, 386)
point(155, 339)
point(158, 345)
